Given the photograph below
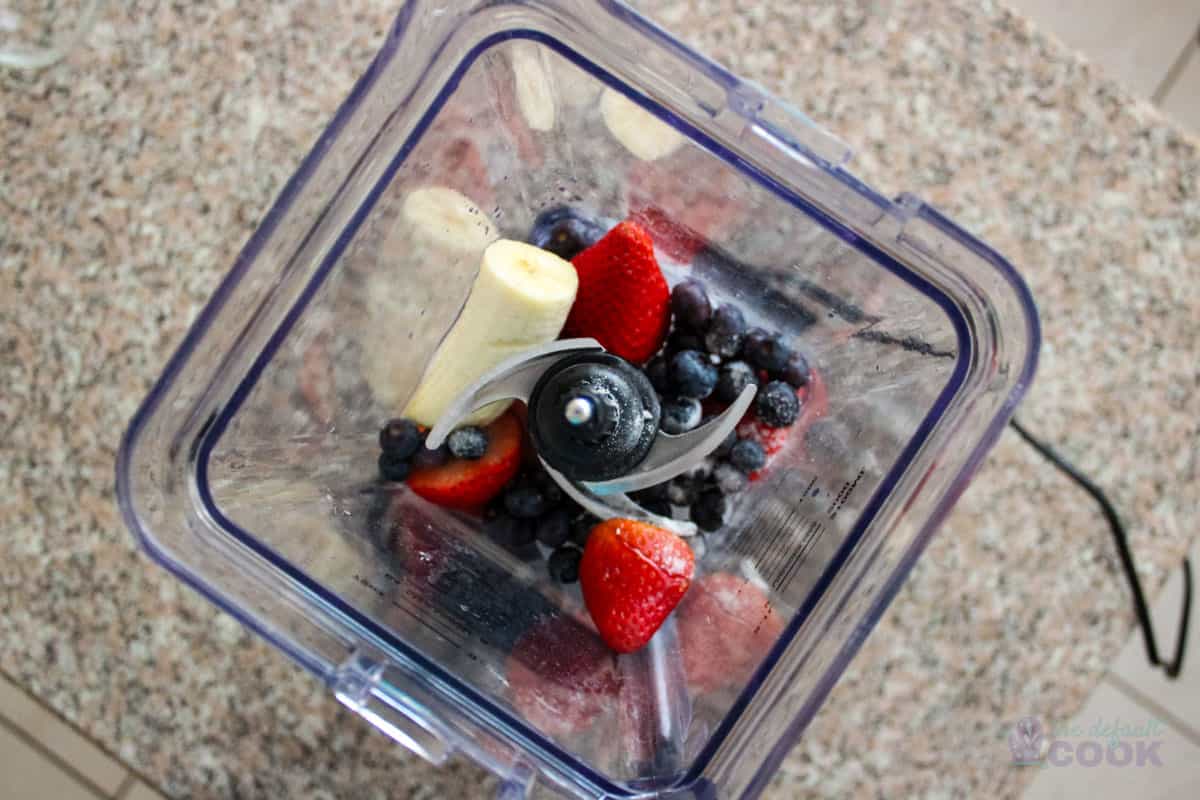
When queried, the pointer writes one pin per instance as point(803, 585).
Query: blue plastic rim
point(494, 714)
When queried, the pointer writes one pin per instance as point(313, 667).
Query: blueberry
point(469, 443)
point(550, 490)
point(684, 489)
point(769, 352)
point(581, 527)
point(554, 528)
point(660, 507)
point(393, 468)
point(525, 502)
point(400, 438)
point(777, 405)
point(682, 340)
point(729, 479)
point(752, 341)
point(726, 331)
point(680, 415)
point(692, 375)
point(507, 531)
point(748, 456)
point(656, 492)
point(657, 372)
point(708, 512)
point(563, 564)
point(796, 371)
point(691, 305)
point(724, 447)
point(733, 378)
point(426, 458)
point(565, 231)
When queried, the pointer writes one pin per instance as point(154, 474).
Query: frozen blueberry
point(656, 492)
point(525, 502)
point(550, 490)
point(691, 305)
point(392, 467)
point(732, 379)
point(768, 352)
point(426, 458)
point(777, 405)
point(752, 341)
point(563, 563)
point(581, 527)
point(692, 375)
point(684, 489)
point(683, 340)
point(657, 372)
point(508, 531)
point(729, 479)
point(796, 371)
point(725, 331)
point(680, 415)
point(554, 528)
point(724, 447)
point(708, 512)
point(748, 456)
point(469, 443)
point(400, 438)
point(565, 231)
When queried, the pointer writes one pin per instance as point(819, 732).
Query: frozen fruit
point(684, 489)
point(508, 531)
point(657, 372)
point(633, 575)
point(729, 479)
point(748, 455)
point(534, 85)
point(767, 352)
point(692, 375)
point(400, 438)
point(725, 331)
point(752, 341)
point(682, 339)
point(623, 300)
point(554, 528)
point(471, 484)
point(708, 512)
point(581, 527)
point(732, 380)
point(689, 301)
point(776, 405)
point(525, 502)
point(796, 371)
point(565, 231)
point(680, 415)
point(470, 443)
point(642, 133)
point(520, 299)
point(725, 446)
point(392, 467)
point(772, 440)
point(563, 564)
point(661, 508)
point(726, 626)
point(426, 458)
point(561, 677)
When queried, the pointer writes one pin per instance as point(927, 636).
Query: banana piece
point(448, 218)
point(642, 133)
point(521, 298)
point(534, 85)
point(575, 88)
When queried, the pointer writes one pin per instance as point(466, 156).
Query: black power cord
point(1172, 667)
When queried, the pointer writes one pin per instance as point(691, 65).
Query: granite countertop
point(135, 171)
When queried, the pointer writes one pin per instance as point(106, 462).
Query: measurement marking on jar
point(842, 496)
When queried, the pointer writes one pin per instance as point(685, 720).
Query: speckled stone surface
point(133, 173)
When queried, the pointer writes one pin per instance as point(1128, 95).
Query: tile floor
point(1152, 46)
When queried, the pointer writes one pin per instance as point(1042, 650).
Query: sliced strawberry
point(632, 575)
point(561, 676)
point(623, 301)
point(726, 625)
point(468, 485)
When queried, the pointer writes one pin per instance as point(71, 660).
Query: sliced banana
point(520, 298)
point(448, 218)
point(642, 133)
point(535, 86)
point(575, 88)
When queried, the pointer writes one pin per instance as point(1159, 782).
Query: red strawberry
point(466, 484)
point(726, 625)
point(623, 301)
point(561, 677)
point(632, 575)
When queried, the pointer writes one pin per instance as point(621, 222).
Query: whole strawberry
point(633, 574)
point(623, 300)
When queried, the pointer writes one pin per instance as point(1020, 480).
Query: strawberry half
point(623, 300)
point(468, 485)
point(726, 625)
point(561, 677)
point(633, 574)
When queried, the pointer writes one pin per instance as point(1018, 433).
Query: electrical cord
point(1140, 609)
